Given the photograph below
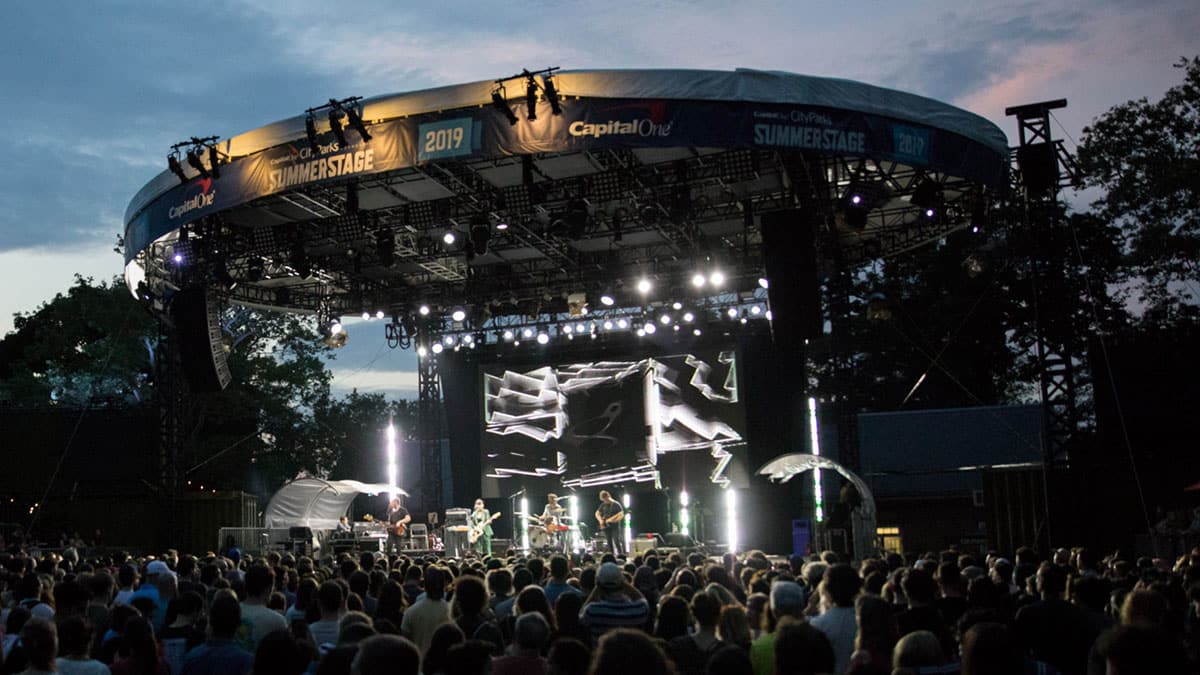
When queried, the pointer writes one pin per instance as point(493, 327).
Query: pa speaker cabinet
point(201, 349)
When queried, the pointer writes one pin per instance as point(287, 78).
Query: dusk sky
point(96, 92)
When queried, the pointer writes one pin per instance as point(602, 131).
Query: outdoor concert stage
point(610, 277)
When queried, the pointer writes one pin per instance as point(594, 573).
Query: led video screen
point(658, 421)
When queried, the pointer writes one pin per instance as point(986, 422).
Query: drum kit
point(557, 533)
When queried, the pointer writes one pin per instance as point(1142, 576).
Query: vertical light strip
point(628, 523)
point(815, 442)
point(731, 520)
point(392, 467)
point(684, 516)
point(572, 535)
point(524, 529)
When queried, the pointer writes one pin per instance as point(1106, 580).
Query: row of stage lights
point(680, 321)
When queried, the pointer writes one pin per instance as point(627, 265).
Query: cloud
point(33, 276)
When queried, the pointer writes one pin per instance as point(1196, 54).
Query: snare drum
point(538, 537)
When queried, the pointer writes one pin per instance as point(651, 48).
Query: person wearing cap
point(614, 603)
point(787, 599)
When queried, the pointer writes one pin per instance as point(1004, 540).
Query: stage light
point(744, 320)
point(481, 233)
point(525, 530)
point(335, 125)
point(665, 319)
point(731, 521)
point(448, 238)
point(193, 159)
point(607, 300)
point(310, 130)
point(467, 339)
point(763, 283)
point(716, 278)
point(335, 327)
point(552, 96)
point(508, 336)
point(531, 89)
point(356, 122)
point(449, 340)
point(393, 468)
point(542, 338)
point(641, 332)
point(768, 315)
point(974, 229)
point(458, 315)
point(366, 316)
point(628, 521)
point(856, 199)
point(502, 226)
point(424, 310)
point(644, 285)
point(527, 333)
point(732, 312)
point(696, 332)
point(379, 314)
point(176, 168)
point(178, 258)
point(814, 437)
point(677, 305)
point(501, 105)
point(622, 323)
point(650, 328)
point(688, 317)
point(929, 213)
point(684, 516)
point(422, 352)
point(436, 348)
point(698, 280)
point(608, 325)
point(756, 310)
point(214, 161)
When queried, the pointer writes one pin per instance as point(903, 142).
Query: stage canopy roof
point(316, 503)
point(640, 173)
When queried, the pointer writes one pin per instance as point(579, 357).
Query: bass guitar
point(477, 529)
point(398, 529)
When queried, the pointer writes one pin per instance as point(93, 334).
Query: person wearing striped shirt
point(614, 603)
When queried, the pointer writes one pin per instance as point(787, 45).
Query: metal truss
point(429, 424)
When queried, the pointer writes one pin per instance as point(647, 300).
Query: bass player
point(398, 519)
point(481, 528)
point(609, 516)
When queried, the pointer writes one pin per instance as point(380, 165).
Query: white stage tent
point(317, 503)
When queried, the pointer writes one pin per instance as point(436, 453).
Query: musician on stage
point(552, 512)
point(608, 517)
point(398, 519)
point(481, 522)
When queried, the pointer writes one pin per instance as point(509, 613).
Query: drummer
point(552, 512)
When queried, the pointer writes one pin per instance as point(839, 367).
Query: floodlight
point(310, 130)
point(552, 95)
point(356, 122)
point(501, 105)
point(193, 159)
point(531, 99)
point(335, 125)
point(176, 168)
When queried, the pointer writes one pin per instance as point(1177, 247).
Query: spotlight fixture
point(500, 104)
point(508, 336)
point(542, 338)
point(193, 159)
point(310, 130)
point(366, 316)
point(221, 272)
point(178, 258)
point(459, 315)
point(607, 300)
point(552, 94)
point(649, 328)
point(622, 323)
point(531, 90)
point(436, 348)
point(528, 332)
point(677, 305)
point(356, 122)
point(176, 168)
point(423, 310)
point(214, 161)
point(644, 285)
point(716, 278)
point(502, 226)
point(698, 280)
point(422, 352)
point(665, 319)
point(379, 314)
point(756, 310)
point(481, 233)
point(688, 317)
point(449, 238)
point(696, 332)
point(335, 125)
point(763, 283)
point(732, 313)
point(608, 325)
point(449, 340)
point(335, 327)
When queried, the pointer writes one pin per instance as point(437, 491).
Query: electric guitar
point(477, 529)
point(608, 522)
point(399, 529)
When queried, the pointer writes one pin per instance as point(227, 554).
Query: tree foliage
point(1145, 156)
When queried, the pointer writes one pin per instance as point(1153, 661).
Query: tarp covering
point(785, 467)
point(316, 503)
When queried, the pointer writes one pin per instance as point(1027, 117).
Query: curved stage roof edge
point(606, 108)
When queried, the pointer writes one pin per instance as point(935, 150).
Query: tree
point(1145, 156)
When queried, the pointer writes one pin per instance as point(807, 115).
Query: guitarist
point(609, 516)
point(398, 519)
point(481, 522)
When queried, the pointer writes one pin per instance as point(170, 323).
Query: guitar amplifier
point(500, 546)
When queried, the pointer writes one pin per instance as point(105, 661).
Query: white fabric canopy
point(318, 504)
point(785, 467)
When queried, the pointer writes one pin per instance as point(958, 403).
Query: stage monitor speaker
point(201, 349)
point(639, 545)
point(678, 540)
point(500, 546)
point(790, 258)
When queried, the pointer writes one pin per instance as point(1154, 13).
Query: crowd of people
point(657, 612)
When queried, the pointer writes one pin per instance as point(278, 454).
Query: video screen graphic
point(587, 424)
